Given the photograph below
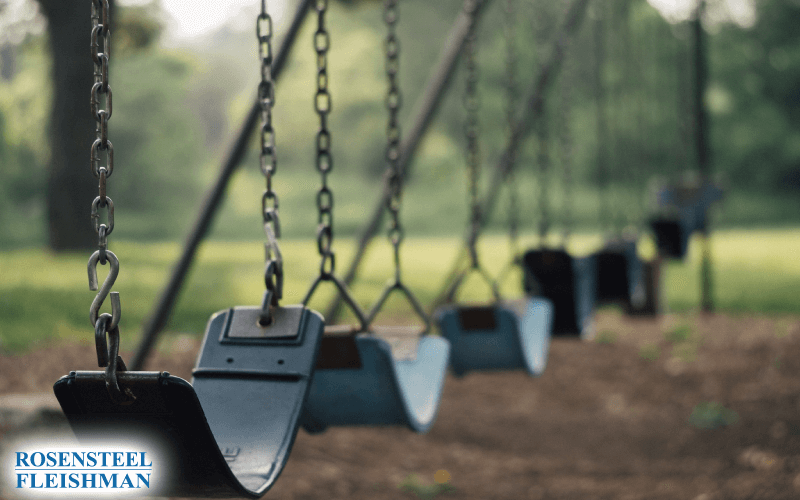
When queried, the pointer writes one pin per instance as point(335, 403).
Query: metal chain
point(105, 325)
point(101, 111)
point(471, 131)
point(602, 126)
point(541, 32)
point(322, 105)
point(565, 140)
point(393, 102)
point(273, 268)
point(393, 175)
point(543, 160)
point(324, 162)
point(511, 108)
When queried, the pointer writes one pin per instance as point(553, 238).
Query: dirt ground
point(609, 419)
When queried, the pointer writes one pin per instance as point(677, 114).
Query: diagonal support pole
point(166, 302)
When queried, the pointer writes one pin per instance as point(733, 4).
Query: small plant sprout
point(680, 333)
point(606, 337)
point(711, 415)
point(650, 352)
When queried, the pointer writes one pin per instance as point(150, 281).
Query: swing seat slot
point(476, 319)
point(383, 390)
point(338, 352)
point(515, 336)
point(569, 283)
point(230, 433)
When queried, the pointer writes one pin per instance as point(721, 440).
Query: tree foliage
point(175, 109)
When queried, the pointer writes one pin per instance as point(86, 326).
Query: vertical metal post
point(703, 152)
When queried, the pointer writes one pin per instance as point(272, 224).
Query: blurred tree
point(754, 97)
point(70, 184)
point(135, 30)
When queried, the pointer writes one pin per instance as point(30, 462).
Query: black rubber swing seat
point(229, 433)
point(672, 237)
point(620, 275)
point(653, 297)
point(388, 376)
point(567, 281)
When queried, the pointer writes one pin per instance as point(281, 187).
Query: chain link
point(471, 132)
point(393, 102)
point(543, 161)
point(322, 105)
point(101, 106)
point(565, 141)
point(273, 267)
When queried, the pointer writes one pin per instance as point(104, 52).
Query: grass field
point(46, 297)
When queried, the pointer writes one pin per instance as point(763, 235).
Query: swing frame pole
point(703, 152)
point(158, 319)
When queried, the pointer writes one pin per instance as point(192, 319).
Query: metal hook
point(115, 364)
point(116, 309)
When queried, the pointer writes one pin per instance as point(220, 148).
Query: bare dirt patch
point(684, 407)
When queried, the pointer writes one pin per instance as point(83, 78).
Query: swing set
point(498, 335)
point(265, 371)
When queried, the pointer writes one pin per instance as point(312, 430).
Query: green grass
point(45, 296)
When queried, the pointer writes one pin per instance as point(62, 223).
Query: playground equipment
point(568, 282)
point(498, 335)
point(370, 375)
point(230, 432)
point(264, 371)
point(683, 210)
point(622, 277)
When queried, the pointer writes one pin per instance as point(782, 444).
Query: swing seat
point(230, 433)
point(653, 295)
point(672, 237)
point(620, 275)
point(359, 380)
point(569, 283)
point(506, 336)
point(688, 208)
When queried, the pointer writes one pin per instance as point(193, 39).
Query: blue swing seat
point(505, 336)
point(569, 282)
point(364, 379)
point(229, 434)
point(686, 211)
